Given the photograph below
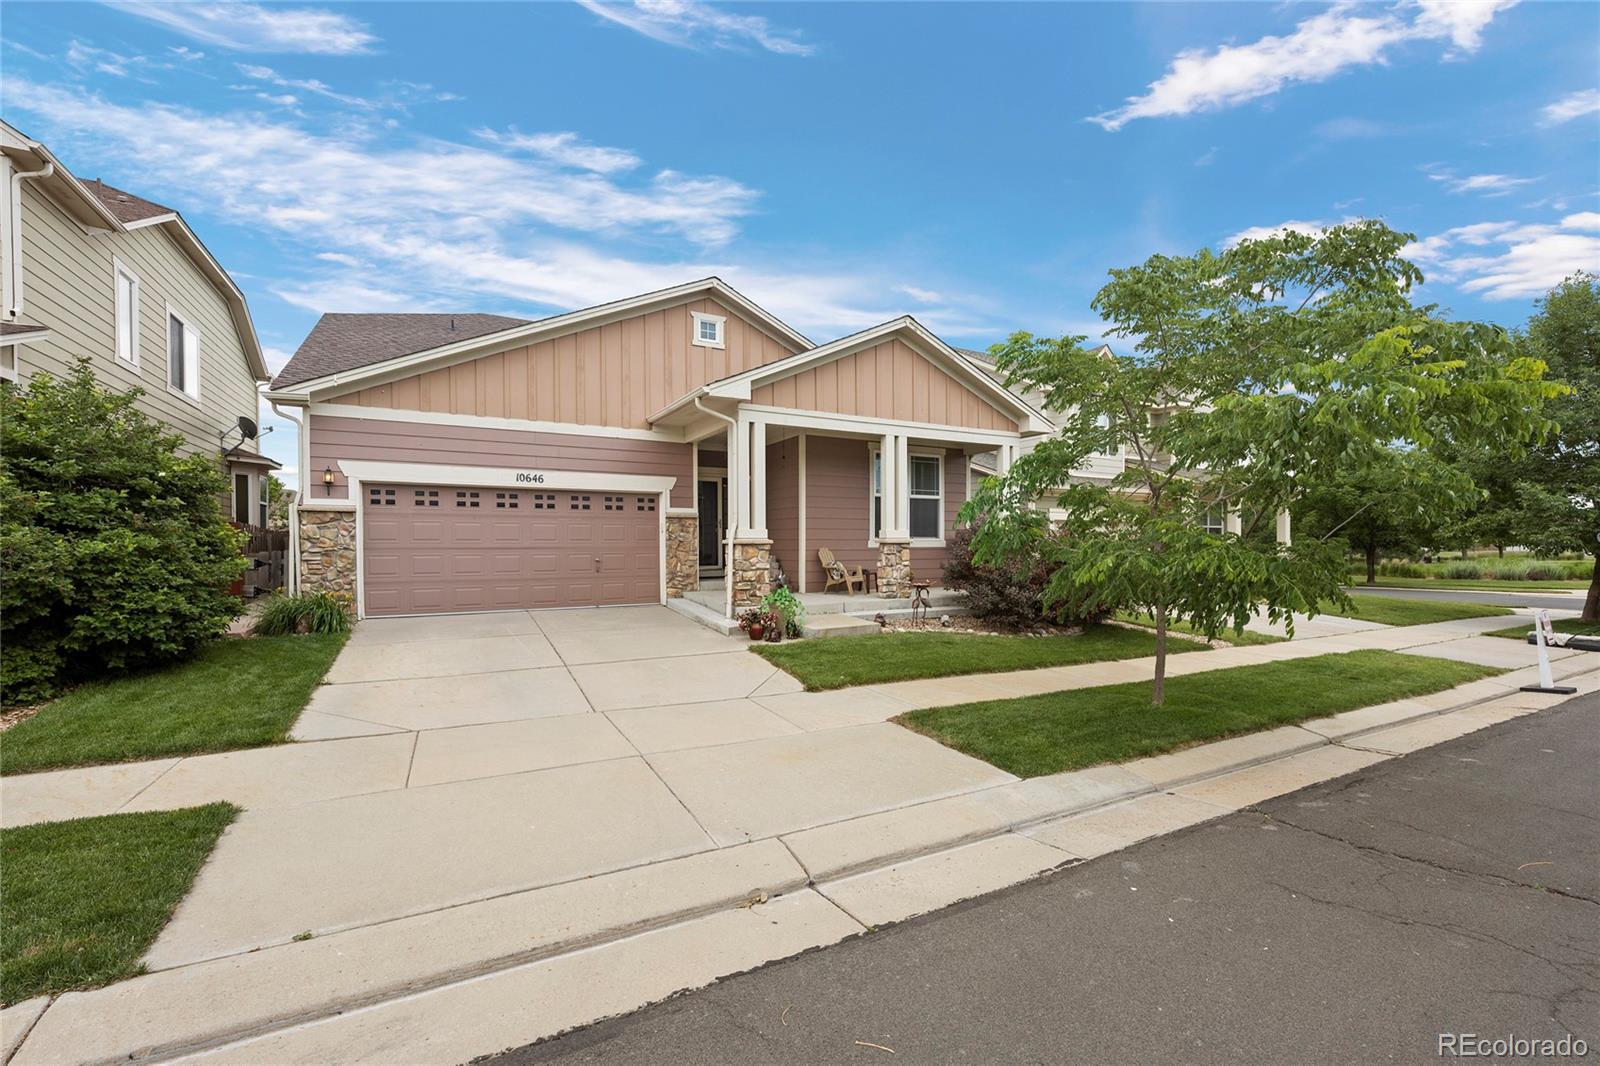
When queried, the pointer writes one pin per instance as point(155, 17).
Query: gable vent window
point(708, 331)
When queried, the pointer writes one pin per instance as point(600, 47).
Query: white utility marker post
point(1544, 632)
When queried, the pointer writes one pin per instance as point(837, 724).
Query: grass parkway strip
point(1560, 625)
point(1035, 735)
point(830, 664)
point(85, 898)
point(234, 694)
point(1388, 611)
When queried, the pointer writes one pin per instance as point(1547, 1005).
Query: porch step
point(839, 625)
point(710, 617)
point(940, 601)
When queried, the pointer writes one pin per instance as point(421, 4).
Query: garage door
point(435, 549)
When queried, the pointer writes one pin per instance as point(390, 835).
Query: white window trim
point(874, 456)
point(9, 373)
point(697, 317)
point(188, 371)
point(118, 270)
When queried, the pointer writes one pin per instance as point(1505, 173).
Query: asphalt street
point(1456, 890)
point(1551, 600)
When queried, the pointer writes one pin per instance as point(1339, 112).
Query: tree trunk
point(1501, 548)
point(1591, 602)
point(1158, 691)
point(1372, 564)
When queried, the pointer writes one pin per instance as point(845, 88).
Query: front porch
point(827, 613)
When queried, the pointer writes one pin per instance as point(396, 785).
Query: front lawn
point(84, 899)
point(827, 664)
point(1069, 730)
point(1561, 625)
point(1240, 638)
point(1481, 584)
point(1390, 611)
point(233, 694)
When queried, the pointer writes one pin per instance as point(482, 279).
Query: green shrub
point(114, 546)
point(304, 612)
point(785, 605)
point(1005, 595)
point(1402, 570)
point(1462, 571)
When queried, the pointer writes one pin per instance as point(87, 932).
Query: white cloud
point(922, 296)
point(408, 223)
point(257, 72)
point(1207, 157)
point(1321, 46)
point(1573, 105)
point(565, 149)
point(249, 27)
point(84, 56)
point(1293, 225)
point(1486, 184)
point(1510, 260)
point(692, 24)
point(280, 99)
point(185, 53)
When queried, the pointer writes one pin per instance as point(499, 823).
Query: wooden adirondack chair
point(836, 573)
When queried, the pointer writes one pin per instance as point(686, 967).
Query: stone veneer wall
point(894, 568)
point(752, 572)
point(328, 551)
point(683, 554)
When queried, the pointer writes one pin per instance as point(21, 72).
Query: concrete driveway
point(460, 758)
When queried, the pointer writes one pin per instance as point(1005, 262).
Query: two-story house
point(89, 270)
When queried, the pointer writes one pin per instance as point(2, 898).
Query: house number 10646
point(530, 479)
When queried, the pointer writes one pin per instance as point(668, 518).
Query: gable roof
point(739, 386)
point(340, 342)
point(101, 206)
point(461, 349)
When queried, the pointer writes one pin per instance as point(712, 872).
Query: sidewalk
point(472, 978)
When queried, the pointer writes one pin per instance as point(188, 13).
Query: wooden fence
point(268, 552)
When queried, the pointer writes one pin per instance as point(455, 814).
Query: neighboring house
point(621, 453)
point(92, 271)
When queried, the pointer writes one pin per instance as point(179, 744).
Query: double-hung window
point(127, 300)
point(924, 497)
point(183, 356)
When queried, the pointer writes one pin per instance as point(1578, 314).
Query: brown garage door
point(433, 549)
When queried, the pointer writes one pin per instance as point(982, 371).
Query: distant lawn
point(1069, 730)
point(234, 694)
point(84, 899)
point(1358, 581)
point(1389, 611)
point(1561, 625)
point(1239, 639)
point(827, 664)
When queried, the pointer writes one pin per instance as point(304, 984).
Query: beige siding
point(70, 288)
point(888, 380)
point(379, 440)
point(613, 375)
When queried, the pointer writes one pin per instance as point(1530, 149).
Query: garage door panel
point(434, 549)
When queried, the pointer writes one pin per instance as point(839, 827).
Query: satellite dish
point(247, 428)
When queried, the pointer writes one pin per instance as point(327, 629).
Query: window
point(241, 499)
point(1211, 520)
point(924, 495)
point(927, 499)
point(8, 362)
point(127, 314)
point(183, 356)
point(708, 330)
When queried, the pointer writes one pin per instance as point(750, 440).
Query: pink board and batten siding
point(839, 502)
point(888, 380)
point(612, 375)
point(333, 438)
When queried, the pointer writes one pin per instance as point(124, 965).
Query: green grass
point(85, 898)
point(1082, 727)
point(233, 694)
point(1239, 639)
point(1484, 585)
point(1390, 611)
point(1561, 625)
point(828, 664)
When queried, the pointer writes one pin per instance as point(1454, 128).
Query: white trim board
point(501, 477)
point(524, 425)
point(867, 427)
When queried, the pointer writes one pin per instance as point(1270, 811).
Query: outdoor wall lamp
point(327, 476)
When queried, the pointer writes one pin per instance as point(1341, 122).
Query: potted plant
point(784, 612)
point(753, 622)
point(775, 626)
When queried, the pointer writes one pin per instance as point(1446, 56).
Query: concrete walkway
point(577, 784)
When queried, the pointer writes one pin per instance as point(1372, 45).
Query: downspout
point(294, 508)
point(14, 249)
point(733, 507)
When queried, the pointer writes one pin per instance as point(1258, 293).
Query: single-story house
point(623, 453)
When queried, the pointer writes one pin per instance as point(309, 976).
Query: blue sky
point(978, 165)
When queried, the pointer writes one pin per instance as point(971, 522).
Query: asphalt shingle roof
point(341, 342)
point(125, 205)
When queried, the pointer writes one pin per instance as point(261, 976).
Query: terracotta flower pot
point(757, 631)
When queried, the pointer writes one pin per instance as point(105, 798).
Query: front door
point(709, 503)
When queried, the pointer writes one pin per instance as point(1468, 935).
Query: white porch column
point(758, 479)
point(1283, 527)
point(888, 490)
point(1002, 459)
point(739, 475)
point(902, 486)
point(1233, 522)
